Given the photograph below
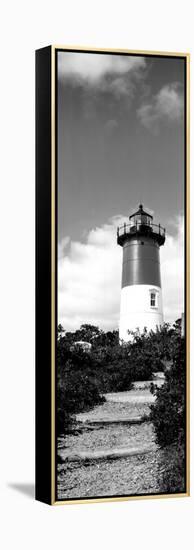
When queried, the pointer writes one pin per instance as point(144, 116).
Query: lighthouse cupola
point(140, 217)
point(141, 294)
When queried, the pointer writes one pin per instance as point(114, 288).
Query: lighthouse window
point(153, 299)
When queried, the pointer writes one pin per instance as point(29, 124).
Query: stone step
point(105, 454)
point(89, 422)
point(131, 396)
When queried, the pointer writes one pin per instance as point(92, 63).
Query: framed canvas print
point(112, 275)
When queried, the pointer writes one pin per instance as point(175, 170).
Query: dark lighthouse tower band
point(141, 293)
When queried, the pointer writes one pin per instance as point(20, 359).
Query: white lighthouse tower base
point(141, 306)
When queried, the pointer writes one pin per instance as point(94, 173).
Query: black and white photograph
point(121, 361)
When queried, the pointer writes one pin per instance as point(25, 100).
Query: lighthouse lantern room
point(141, 293)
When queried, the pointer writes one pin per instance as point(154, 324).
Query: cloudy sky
point(120, 141)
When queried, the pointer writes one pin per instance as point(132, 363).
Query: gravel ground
point(126, 476)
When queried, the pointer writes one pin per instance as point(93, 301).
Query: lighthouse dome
point(140, 217)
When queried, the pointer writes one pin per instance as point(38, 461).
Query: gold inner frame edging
point(186, 56)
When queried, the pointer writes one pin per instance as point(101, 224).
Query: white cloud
point(89, 278)
point(96, 73)
point(93, 67)
point(62, 246)
point(166, 105)
point(172, 268)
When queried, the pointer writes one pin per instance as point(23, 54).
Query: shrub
point(169, 418)
point(168, 413)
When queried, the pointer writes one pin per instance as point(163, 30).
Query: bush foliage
point(168, 415)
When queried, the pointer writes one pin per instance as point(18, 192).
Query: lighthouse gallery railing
point(139, 228)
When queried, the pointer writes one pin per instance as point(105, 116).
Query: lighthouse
point(141, 293)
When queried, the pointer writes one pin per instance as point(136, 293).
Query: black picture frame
point(46, 271)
